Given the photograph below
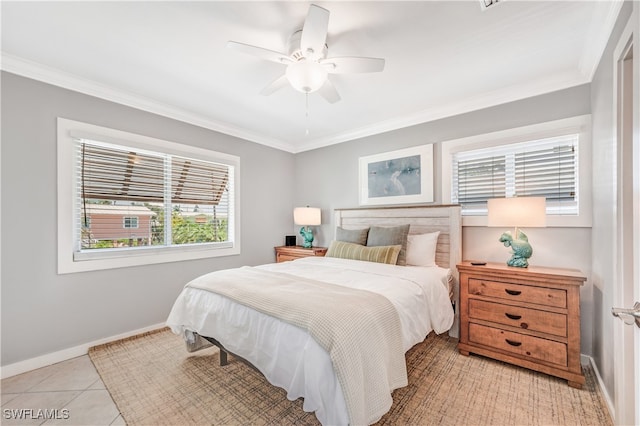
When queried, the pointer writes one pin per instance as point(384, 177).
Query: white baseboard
point(585, 359)
point(65, 354)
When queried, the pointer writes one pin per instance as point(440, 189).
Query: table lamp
point(306, 216)
point(517, 212)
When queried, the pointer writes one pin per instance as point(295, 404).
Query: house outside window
point(136, 200)
point(100, 221)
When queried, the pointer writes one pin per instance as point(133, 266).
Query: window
point(541, 160)
point(176, 200)
point(542, 168)
point(130, 222)
point(132, 200)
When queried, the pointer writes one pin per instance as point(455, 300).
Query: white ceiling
point(442, 58)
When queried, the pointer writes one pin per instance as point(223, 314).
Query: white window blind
point(546, 167)
point(133, 199)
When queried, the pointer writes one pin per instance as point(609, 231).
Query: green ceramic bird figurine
point(522, 250)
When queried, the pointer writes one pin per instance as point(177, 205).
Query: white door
point(627, 282)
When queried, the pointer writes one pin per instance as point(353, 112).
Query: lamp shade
point(306, 216)
point(522, 212)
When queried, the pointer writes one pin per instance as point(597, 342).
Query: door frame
point(636, 191)
point(626, 284)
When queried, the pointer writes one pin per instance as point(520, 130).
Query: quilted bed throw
point(359, 329)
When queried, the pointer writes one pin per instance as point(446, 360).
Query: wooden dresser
point(525, 316)
point(284, 253)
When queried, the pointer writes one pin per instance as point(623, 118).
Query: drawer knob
point(513, 292)
point(513, 317)
point(513, 343)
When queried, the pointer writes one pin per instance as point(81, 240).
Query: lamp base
point(307, 234)
point(520, 246)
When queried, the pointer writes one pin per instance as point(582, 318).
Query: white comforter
point(287, 355)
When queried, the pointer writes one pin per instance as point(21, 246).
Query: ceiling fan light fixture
point(306, 76)
point(307, 63)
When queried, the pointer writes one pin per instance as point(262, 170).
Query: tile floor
point(67, 393)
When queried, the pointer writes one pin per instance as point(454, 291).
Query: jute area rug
point(154, 380)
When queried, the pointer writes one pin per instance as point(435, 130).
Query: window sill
point(581, 221)
point(85, 262)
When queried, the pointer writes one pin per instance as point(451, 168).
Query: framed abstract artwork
point(404, 176)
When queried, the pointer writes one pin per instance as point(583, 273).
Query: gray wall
point(43, 312)
point(328, 178)
point(604, 201)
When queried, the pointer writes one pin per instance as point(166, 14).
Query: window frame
point(70, 129)
point(580, 125)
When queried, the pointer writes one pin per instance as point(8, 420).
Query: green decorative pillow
point(355, 236)
point(380, 254)
point(388, 236)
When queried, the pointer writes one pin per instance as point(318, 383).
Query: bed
point(343, 358)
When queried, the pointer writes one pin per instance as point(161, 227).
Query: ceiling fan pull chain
point(306, 101)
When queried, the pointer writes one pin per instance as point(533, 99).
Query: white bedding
point(287, 355)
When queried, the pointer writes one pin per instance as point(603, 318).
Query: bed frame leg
point(223, 358)
point(224, 354)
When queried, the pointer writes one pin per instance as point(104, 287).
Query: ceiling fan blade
point(269, 55)
point(351, 64)
point(314, 32)
point(329, 92)
point(275, 85)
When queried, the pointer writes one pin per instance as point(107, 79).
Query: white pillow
point(421, 249)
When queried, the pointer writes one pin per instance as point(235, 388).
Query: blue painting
point(394, 177)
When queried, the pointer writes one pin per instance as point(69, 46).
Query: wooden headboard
point(423, 219)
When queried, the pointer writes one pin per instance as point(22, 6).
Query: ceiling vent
point(486, 4)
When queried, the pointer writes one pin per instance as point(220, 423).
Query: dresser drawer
point(280, 257)
point(518, 292)
point(529, 346)
point(516, 316)
point(286, 253)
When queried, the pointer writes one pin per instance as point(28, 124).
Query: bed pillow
point(355, 236)
point(380, 254)
point(389, 236)
point(421, 249)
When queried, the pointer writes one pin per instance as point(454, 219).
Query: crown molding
point(69, 81)
point(497, 97)
point(50, 75)
point(594, 48)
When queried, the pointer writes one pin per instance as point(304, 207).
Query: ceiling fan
point(306, 59)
